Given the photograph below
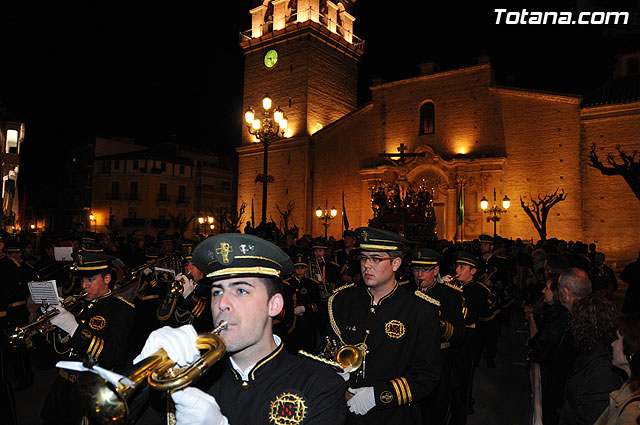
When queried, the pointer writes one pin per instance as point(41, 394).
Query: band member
point(149, 294)
point(100, 331)
point(347, 258)
point(397, 331)
point(191, 306)
point(479, 303)
point(302, 332)
point(327, 274)
point(262, 382)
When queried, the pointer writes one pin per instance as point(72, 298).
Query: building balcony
point(160, 223)
point(133, 222)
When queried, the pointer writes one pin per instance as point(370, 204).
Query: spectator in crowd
point(631, 275)
point(624, 404)
point(591, 377)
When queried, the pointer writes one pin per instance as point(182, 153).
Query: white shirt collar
point(244, 374)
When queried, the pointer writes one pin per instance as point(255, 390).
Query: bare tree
point(629, 168)
point(538, 210)
point(180, 222)
point(229, 219)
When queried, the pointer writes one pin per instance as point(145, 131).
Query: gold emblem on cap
point(80, 259)
point(224, 250)
point(365, 235)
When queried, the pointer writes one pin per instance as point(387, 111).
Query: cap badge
point(244, 248)
point(224, 250)
point(80, 259)
point(419, 255)
point(365, 236)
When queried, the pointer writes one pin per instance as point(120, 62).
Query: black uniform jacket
point(103, 330)
point(282, 389)
point(403, 363)
point(451, 319)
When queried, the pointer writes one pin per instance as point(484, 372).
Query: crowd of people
point(416, 319)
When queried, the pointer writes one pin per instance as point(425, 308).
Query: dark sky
point(175, 73)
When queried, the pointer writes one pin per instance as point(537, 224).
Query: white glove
point(105, 374)
point(346, 373)
point(147, 271)
point(179, 343)
point(299, 310)
point(65, 320)
point(362, 401)
point(195, 407)
point(187, 284)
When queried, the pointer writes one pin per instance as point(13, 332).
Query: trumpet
point(108, 402)
point(349, 357)
point(74, 304)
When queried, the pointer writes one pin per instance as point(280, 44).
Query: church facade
point(459, 130)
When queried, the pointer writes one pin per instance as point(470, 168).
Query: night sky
point(175, 73)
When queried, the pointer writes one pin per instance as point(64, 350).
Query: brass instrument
point(134, 275)
point(168, 305)
point(108, 402)
point(74, 304)
point(350, 357)
point(49, 270)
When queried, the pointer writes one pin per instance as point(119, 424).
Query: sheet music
point(44, 292)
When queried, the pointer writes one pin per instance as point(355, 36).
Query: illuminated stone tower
point(304, 56)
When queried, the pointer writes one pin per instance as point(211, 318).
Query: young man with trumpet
point(396, 331)
point(425, 268)
point(100, 331)
point(261, 382)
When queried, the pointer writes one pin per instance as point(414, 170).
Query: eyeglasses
point(419, 269)
point(374, 260)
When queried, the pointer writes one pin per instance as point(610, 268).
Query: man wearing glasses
point(397, 331)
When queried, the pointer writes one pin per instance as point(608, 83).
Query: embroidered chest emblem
point(97, 322)
point(394, 329)
point(287, 409)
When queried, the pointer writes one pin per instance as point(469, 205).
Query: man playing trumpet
point(261, 382)
point(101, 331)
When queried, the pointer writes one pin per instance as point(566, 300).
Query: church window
point(427, 118)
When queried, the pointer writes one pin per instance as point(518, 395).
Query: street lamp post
point(208, 221)
point(495, 211)
point(92, 219)
point(266, 130)
point(325, 216)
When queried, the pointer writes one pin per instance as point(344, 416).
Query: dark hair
point(629, 327)
point(274, 286)
point(593, 322)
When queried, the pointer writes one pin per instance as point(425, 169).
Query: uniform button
point(90, 306)
point(373, 309)
point(245, 385)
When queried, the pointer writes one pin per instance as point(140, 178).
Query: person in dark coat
point(591, 377)
point(631, 275)
point(397, 331)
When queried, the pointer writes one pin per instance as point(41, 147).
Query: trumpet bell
point(105, 404)
point(349, 356)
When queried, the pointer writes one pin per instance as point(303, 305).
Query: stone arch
point(433, 177)
point(437, 179)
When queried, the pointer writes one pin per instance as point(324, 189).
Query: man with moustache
point(262, 382)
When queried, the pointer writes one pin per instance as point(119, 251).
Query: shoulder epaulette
point(342, 287)
point(457, 288)
point(335, 264)
point(310, 278)
point(427, 298)
point(286, 280)
point(124, 300)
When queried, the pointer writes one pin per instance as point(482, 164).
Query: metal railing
point(324, 20)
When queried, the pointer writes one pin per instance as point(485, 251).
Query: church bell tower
point(303, 54)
